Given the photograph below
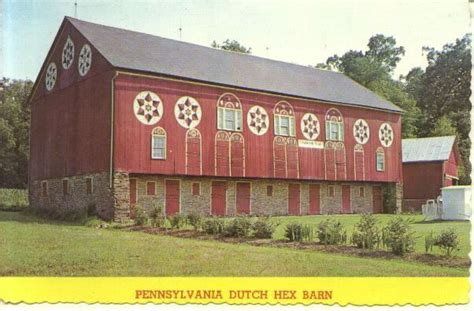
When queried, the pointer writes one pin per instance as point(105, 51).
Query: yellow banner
point(237, 290)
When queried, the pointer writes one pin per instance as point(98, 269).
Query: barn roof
point(143, 52)
point(427, 149)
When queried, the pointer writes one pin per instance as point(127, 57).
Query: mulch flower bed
point(438, 260)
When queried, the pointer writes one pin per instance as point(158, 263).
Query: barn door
point(314, 199)
point(172, 199)
point(294, 199)
point(377, 199)
point(133, 196)
point(346, 199)
point(218, 198)
point(243, 198)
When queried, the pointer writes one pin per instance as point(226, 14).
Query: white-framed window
point(334, 125)
point(380, 159)
point(284, 125)
point(229, 119)
point(158, 144)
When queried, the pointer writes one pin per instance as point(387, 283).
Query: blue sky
point(303, 32)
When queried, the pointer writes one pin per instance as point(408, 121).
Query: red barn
point(428, 165)
point(123, 119)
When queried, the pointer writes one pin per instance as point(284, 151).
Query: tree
point(233, 45)
point(443, 127)
point(373, 69)
point(14, 133)
point(442, 94)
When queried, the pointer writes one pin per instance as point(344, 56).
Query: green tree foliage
point(14, 133)
point(373, 69)
point(233, 46)
point(442, 94)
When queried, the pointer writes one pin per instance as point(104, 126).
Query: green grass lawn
point(421, 228)
point(32, 246)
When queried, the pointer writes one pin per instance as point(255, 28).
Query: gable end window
point(158, 144)
point(380, 159)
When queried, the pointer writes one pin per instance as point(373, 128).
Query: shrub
point(73, 214)
point(238, 227)
point(177, 221)
point(13, 199)
point(263, 228)
point(429, 242)
point(157, 219)
point(448, 241)
point(366, 233)
point(92, 222)
point(399, 236)
point(195, 220)
point(331, 232)
point(307, 233)
point(140, 216)
point(293, 232)
point(213, 225)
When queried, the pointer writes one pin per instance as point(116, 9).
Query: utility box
point(457, 202)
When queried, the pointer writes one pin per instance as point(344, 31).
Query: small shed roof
point(427, 149)
point(143, 52)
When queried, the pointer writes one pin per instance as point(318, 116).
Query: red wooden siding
point(172, 200)
point(279, 157)
point(292, 158)
point(346, 199)
point(222, 154)
point(422, 180)
point(377, 199)
point(218, 198)
point(243, 198)
point(330, 161)
point(237, 146)
point(294, 199)
point(314, 199)
point(193, 152)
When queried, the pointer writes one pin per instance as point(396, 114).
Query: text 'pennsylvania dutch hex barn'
point(123, 119)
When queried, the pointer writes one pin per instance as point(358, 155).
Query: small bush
point(213, 225)
point(429, 242)
point(366, 233)
point(263, 228)
point(448, 241)
point(92, 222)
point(157, 219)
point(307, 233)
point(73, 214)
point(331, 232)
point(399, 236)
point(238, 227)
point(294, 232)
point(195, 220)
point(141, 218)
point(177, 221)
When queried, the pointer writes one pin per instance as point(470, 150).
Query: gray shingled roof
point(143, 52)
point(427, 149)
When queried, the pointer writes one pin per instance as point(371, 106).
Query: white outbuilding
point(457, 203)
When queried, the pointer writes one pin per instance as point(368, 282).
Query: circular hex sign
point(257, 120)
point(386, 134)
point(51, 75)
point(361, 131)
point(68, 53)
point(310, 126)
point(148, 107)
point(187, 112)
point(85, 60)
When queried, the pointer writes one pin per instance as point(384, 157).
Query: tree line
point(435, 100)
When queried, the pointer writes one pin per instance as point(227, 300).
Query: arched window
point(158, 143)
point(359, 171)
point(284, 122)
point(334, 125)
point(380, 159)
point(193, 152)
point(229, 113)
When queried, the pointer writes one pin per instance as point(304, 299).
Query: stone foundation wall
point(260, 202)
point(77, 200)
point(392, 198)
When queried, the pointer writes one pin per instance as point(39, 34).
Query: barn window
point(196, 189)
point(44, 188)
point(284, 122)
point(65, 186)
point(158, 143)
point(361, 192)
point(331, 191)
point(229, 113)
point(269, 190)
point(89, 185)
point(150, 188)
point(334, 125)
point(380, 158)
